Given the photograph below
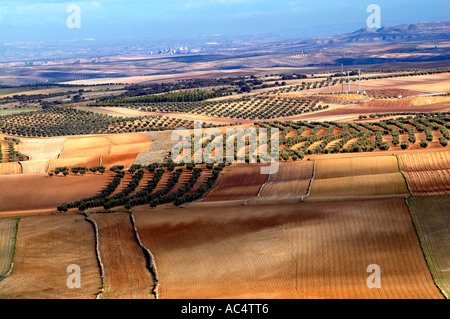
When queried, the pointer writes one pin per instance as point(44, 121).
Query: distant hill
point(425, 31)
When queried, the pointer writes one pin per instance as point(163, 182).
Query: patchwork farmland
point(92, 178)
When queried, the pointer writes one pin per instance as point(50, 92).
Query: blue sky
point(41, 20)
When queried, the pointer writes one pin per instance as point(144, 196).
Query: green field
point(431, 219)
point(8, 231)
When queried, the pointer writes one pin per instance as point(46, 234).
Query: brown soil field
point(126, 273)
point(41, 148)
point(46, 246)
point(307, 250)
point(7, 242)
point(40, 192)
point(431, 220)
point(240, 182)
point(10, 168)
point(428, 173)
point(353, 178)
point(288, 185)
point(86, 161)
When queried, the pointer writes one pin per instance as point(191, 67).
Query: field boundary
point(404, 176)
point(422, 249)
point(310, 182)
point(150, 259)
point(259, 192)
point(97, 253)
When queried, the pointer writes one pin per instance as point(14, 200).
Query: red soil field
point(40, 192)
point(307, 250)
point(127, 138)
point(95, 145)
point(240, 182)
point(428, 173)
point(126, 275)
point(118, 159)
point(130, 148)
point(94, 151)
point(46, 246)
point(105, 145)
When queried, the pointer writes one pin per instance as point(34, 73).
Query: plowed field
point(428, 173)
point(308, 250)
point(46, 246)
point(126, 275)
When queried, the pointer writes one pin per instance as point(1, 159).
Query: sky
point(46, 20)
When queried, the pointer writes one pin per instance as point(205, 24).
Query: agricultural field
point(63, 121)
point(272, 251)
point(427, 173)
point(289, 185)
point(91, 177)
point(65, 240)
point(357, 178)
point(18, 195)
point(431, 220)
point(253, 108)
point(124, 263)
point(239, 183)
point(8, 232)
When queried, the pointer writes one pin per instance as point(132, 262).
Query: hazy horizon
point(31, 21)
